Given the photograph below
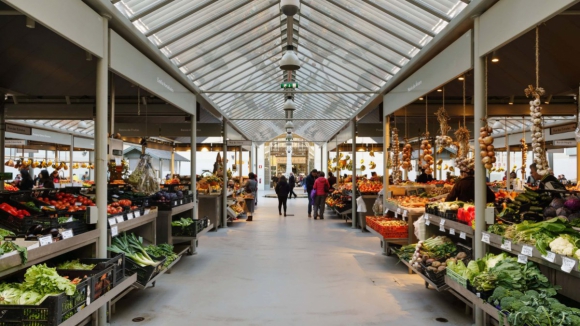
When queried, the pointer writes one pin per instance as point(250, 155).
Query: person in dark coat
point(46, 180)
point(26, 182)
point(309, 181)
point(282, 190)
point(292, 184)
point(464, 189)
point(423, 177)
point(331, 180)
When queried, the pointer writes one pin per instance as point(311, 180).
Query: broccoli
point(516, 294)
point(532, 293)
point(514, 306)
point(573, 320)
point(506, 303)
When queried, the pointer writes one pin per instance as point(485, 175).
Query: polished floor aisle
point(289, 271)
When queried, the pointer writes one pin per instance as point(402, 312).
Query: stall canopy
point(343, 46)
point(155, 153)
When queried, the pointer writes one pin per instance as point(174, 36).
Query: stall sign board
point(371, 130)
point(15, 142)
point(18, 129)
point(239, 143)
point(565, 143)
point(184, 129)
point(563, 129)
point(6, 176)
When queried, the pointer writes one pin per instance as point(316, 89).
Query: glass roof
point(343, 45)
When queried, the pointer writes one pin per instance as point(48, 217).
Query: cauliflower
point(562, 246)
point(577, 254)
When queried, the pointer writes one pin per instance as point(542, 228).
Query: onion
point(483, 147)
point(488, 166)
point(482, 129)
point(483, 154)
point(489, 130)
point(493, 159)
point(483, 134)
point(490, 148)
point(422, 146)
point(486, 160)
point(488, 140)
point(491, 153)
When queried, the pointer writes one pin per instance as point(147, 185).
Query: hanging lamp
point(290, 60)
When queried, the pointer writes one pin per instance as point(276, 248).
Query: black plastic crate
point(437, 278)
point(145, 274)
point(13, 223)
point(451, 215)
point(466, 249)
point(101, 279)
point(48, 313)
point(190, 231)
point(117, 262)
point(78, 225)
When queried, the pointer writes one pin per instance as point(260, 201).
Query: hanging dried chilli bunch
point(537, 130)
point(443, 140)
point(426, 154)
point(396, 160)
point(486, 145)
point(462, 161)
point(407, 152)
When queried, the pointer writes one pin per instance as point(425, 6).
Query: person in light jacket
point(322, 188)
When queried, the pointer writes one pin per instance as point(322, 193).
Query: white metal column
point(224, 216)
point(386, 142)
point(71, 153)
point(353, 136)
point(2, 137)
point(101, 155)
point(192, 157)
point(479, 101)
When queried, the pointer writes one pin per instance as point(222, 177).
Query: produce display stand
point(386, 241)
point(83, 317)
point(449, 225)
point(144, 226)
point(211, 206)
point(428, 281)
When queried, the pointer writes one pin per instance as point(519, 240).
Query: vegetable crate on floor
point(145, 274)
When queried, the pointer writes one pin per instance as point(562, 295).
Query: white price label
point(568, 264)
point(522, 259)
point(181, 202)
point(120, 219)
point(137, 213)
point(386, 211)
point(78, 204)
point(398, 211)
point(66, 234)
point(463, 235)
point(427, 222)
point(405, 212)
point(426, 217)
point(112, 221)
point(485, 237)
point(46, 240)
point(452, 231)
point(146, 211)
point(506, 245)
point(442, 222)
point(114, 231)
point(129, 216)
point(88, 300)
point(441, 228)
point(550, 256)
point(528, 251)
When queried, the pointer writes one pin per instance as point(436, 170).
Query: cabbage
point(557, 203)
point(491, 260)
point(550, 212)
point(573, 204)
point(472, 271)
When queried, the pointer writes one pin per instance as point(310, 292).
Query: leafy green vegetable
point(9, 246)
point(163, 250)
point(5, 233)
point(132, 248)
point(45, 280)
point(75, 264)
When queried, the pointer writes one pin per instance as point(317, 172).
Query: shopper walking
point(26, 182)
point(292, 184)
point(331, 179)
point(309, 183)
point(282, 190)
point(322, 187)
point(251, 187)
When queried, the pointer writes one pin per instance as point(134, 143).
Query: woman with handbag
point(322, 187)
point(251, 187)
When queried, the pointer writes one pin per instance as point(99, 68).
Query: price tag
point(114, 231)
point(399, 211)
point(66, 234)
point(129, 216)
point(442, 222)
point(463, 235)
point(452, 231)
point(146, 212)
point(405, 212)
point(181, 202)
point(112, 221)
point(427, 222)
point(46, 240)
point(137, 213)
point(386, 211)
point(527, 250)
point(506, 245)
point(550, 256)
point(485, 237)
point(78, 204)
point(120, 219)
point(426, 217)
point(522, 259)
point(441, 228)
point(568, 264)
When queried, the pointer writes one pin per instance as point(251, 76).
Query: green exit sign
point(289, 85)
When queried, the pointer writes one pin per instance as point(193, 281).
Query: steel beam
point(430, 10)
point(177, 18)
point(149, 9)
point(400, 18)
point(285, 92)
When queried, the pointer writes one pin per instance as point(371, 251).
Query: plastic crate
point(78, 226)
point(144, 274)
point(13, 223)
point(77, 302)
point(101, 278)
point(437, 278)
point(48, 313)
point(451, 215)
point(117, 262)
point(188, 231)
point(457, 278)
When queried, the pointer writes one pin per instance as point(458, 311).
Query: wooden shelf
point(428, 281)
point(80, 316)
point(458, 227)
point(136, 222)
point(182, 208)
point(516, 249)
point(470, 296)
point(12, 263)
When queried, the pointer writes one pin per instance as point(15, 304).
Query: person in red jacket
point(322, 187)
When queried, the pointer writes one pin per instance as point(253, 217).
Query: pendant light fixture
point(289, 7)
point(290, 60)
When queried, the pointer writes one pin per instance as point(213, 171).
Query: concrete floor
point(289, 271)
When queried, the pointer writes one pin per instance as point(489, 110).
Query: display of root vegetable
point(406, 158)
point(462, 161)
point(538, 141)
point(443, 140)
point(426, 154)
point(396, 160)
point(486, 145)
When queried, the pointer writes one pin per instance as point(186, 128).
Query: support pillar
point(193, 159)
point(386, 142)
point(172, 162)
point(479, 101)
point(324, 156)
point(2, 137)
point(101, 155)
point(353, 155)
point(70, 161)
point(224, 221)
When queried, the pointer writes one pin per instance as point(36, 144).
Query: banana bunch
point(372, 165)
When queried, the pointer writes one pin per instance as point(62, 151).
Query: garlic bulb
point(486, 144)
point(538, 147)
point(396, 161)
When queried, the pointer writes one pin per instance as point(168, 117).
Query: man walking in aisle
point(292, 183)
point(309, 181)
point(322, 187)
